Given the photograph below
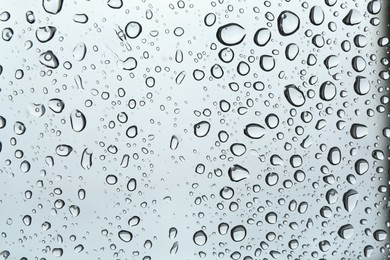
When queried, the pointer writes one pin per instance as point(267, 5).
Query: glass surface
point(194, 129)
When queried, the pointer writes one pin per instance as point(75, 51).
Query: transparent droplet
point(238, 173)
point(202, 128)
point(200, 238)
point(231, 34)
point(238, 233)
point(288, 23)
point(133, 29)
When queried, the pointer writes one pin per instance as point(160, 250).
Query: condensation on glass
point(194, 129)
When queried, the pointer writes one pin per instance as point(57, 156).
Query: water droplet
point(334, 155)
point(238, 149)
point(272, 178)
point(294, 96)
point(226, 193)
point(288, 23)
point(238, 233)
point(226, 55)
point(49, 60)
point(316, 15)
point(133, 29)
point(63, 150)
point(174, 142)
point(52, 6)
point(202, 128)
point(7, 34)
point(19, 128)
point(238, 173)
point(79, 51)
point(132, 131)
point(74, 210)
point(56, 105)
point(267, 62)
point(132, 184)
point(45, 34)
point(262, 37)
point(77, 120)
point(80, 18)
point(125, 235)
point(353, 17)
point(231, 34)
point(346, 231)
point(327, 91)
point(362, 85)
point(254, 131)
point(350, 200)
point(292, 51)
point(359, 131)
point(361, 166)
point(115, 4)
point(200, 238)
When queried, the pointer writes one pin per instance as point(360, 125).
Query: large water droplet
point(350, 200)
point(231, 34)
point(238, 173)
point(294, 96)
point(45, 34)
point(52, 6)
point(202, 128)
point(238, 233)
point(77, 120)
point(200, 238)
point(125, 236)
point(288, 23)
point(358, 131)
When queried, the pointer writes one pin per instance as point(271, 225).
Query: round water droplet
point(271, 218)
point(238, 233)
point(231, 34)
point(272, 178)
point(202, 128)
point(294, 96)
point(133, 29)
point(272, 121)
point(332, 196)
point(243, 68)
point(19, 128)
point(7, 34)
point(200, 238)
point(359, 63)
point(74, 210)
point(132, 131)
point(288, 23)
point(238, 149)
point(223, 228)
point(111, 179)
point(115, 4)
point(226, 193)
point(4, 16)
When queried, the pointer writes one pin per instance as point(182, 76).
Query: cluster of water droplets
point(194, 130)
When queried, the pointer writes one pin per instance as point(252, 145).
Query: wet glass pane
point(194, 129)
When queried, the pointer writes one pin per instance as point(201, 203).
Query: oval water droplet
point(79, 51)
point(361, 166)
point(294, 96)
point(346, 231)
point(63, 150)
point(238, 149)
point(262, 37)
point(292, 51)
point(334, 155)
point(267, 62)
point(254, 131)
point(132, 131)
point(238, 233)
point(231, 34)
point(316, 15)
point(77, 120)
point(125, 235)
point(362, 85)
point(328, 91)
